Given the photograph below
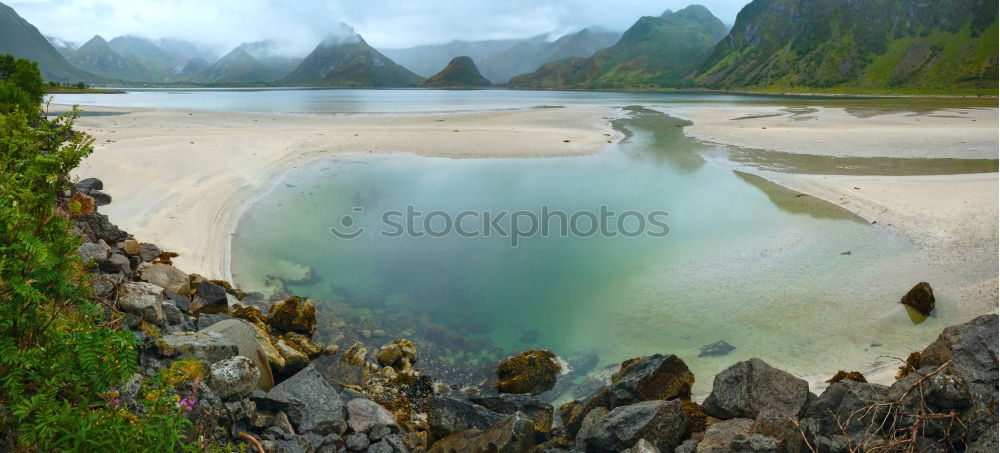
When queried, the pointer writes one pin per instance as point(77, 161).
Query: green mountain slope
point(461, 72)
point(98, 57)
point(530, 54)
point(657, 51)
point(348, 61)
point(20, 38)
point(240, 67)
point(887, 45)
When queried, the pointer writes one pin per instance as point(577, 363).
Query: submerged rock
point(531, 372)
point(397, 354)
point(751, 388)
point(920, 297)
point(719, 348)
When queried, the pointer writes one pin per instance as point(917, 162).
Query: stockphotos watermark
point(515, 226)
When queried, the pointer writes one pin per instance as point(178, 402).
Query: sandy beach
point(182, 179)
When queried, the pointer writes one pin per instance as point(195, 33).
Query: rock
point(662, 423)
point(751, 388)
point(206, 320)
point(531, 372)
point(234, 377)
point(656, 377)
point(363, 414)
point(293, 314)
point(208, 298)
point(93, 252)
point(355, 354)
point(446, 415)
point(719, 348)
point(311, 403)
point(356, 442)
point(167, 276)
point(97, 226)
point(249, 344)
point(573, 412)
point(144, 300)
point(174, 315)
point(294, 359)
point(205, 347)
point(844, 403)
point(920, 297)
point(643, 447)
point(688, 446)
point(512, 434)
point(302, 344)
point(100, 198)
point(540, 413)
point(87, 184)
point(149, 252)
point(130, 246)
point(397, 353)
point(183, 303)
point(117, 264)
point(736, 435)
point(587, 426)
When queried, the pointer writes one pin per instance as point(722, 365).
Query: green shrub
point(21, 85)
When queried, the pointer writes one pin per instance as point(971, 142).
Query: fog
point(296, 27)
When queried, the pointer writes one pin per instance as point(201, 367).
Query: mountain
point(65, 48)
point(239, 67)
point(658, 51)
point(431, 59)
point(530, 54)
point(98, 57)
point(153, 57)
point(832, 44)
point(346, 60)
point(187, 71)
point(461, 72)
point(20, 38)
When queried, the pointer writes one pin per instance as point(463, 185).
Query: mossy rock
point(293, 315)
point(531, 372)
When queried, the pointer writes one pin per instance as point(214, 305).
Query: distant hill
point(346, 60)
point(65, 48)
point(843, 46)
point(657, 51)
point(20, 38)
point(240, 67)
point(98, 57)
point(156, 60)
point(430, 59)
point(461, 72)
point(530, 54)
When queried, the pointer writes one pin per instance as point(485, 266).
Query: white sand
point(182, 179)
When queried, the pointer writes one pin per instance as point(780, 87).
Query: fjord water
point(802, 284)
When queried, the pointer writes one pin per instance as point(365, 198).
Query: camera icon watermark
point(514, 226)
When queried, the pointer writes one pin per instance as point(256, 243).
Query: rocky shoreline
point(264, 380)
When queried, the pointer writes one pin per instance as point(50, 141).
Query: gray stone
point(843, 403)
point(664, 424)
point(446, 415)
point(642, 446)
point(206, 320)
point(719, 348)
point(539, 412)
point(688, 446)
point(117, 264)
point(245, 337)
point(209, 298)
point(380, 447)
point(144, 300)
point(356, 441)
point(655, 377)
point(97, 226)
point(173, 314)
point(149, 252)
point(87, 184)
point(311, 403)
point(736, 435)
point(234, 377)
point(377, 432)
point(363, 414)
point(512, 434)
point(751, 388)
point(93, 252)
point(194, 345)
point(167, 276)
point(100, 198)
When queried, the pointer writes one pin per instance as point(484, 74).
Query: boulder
point(206, 320)
point(688, 446)
point(844, 403)
point(531, 372)
point(144, 300)
point(100, 198)
point(356, 442)
point(167, 276)
point(573, 412)
point(643, 447)
point(174, 315)
point(656, 377)
point(93, 252)
point(249, 344)
point(512, 434)
point(294, 359)
point(130, 246)
point(87, 184)
point(208, 298)
point(736, 435)
point(312, 405)
point(920, 297)
point(397, 353)
point(234, 377)
point(662, 423)
point(293, 314)
point(540, 413)
point(117, 264)
point(206, 347)
point(751, 388)
point(446, 415)
point(149, 252)
point(364, 414)
point(97, 226)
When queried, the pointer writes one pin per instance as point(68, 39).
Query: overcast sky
point(301, 24)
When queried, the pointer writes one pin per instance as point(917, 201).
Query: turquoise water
point(745, 261)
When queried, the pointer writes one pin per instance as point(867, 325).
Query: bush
point(59, 359)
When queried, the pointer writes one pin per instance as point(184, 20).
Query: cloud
point(298, 26)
